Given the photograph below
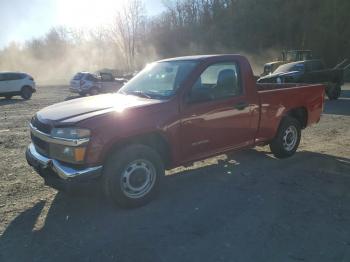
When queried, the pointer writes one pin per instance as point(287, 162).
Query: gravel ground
point(246, 206)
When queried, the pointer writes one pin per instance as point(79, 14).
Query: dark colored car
point(311, 72)
point(174, 112)
point(287, 57)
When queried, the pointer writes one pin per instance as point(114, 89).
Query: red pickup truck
point(174, 112)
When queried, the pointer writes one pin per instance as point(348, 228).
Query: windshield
point(290, 67)
point(159, 80)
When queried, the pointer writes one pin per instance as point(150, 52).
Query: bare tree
point(127, 27)
point(99, 38)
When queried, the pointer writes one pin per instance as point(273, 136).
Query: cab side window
point(218, 81)
point(106, 77)
point(12, 76)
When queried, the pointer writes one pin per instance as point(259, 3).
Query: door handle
point(241, 105)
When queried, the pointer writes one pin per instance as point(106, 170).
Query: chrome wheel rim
point(290, 138)
point(138, 178)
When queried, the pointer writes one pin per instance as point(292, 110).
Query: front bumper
point(58, 175)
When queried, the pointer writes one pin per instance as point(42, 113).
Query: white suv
point(14, 83)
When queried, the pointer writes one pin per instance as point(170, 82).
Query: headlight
point(67, 151)
point(70, 133)
point(68, 154)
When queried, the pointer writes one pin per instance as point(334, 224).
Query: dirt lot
point(247, 206)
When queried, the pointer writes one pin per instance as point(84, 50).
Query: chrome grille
point(40, 145)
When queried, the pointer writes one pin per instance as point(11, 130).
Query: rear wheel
point(287, 138)
point(26, 92)
point(132, 176)
point(333, 91)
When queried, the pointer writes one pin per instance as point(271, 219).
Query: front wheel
point(132, 176)
point(287, 138)
point(26, 92)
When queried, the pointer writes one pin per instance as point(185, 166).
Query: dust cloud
point(61, 53)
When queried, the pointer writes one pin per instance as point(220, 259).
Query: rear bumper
point(58, 175)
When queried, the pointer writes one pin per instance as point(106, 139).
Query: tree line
point(259, 29)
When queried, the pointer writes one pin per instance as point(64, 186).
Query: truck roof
point(12, 72)
point(201, 57)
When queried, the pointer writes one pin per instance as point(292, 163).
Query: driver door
point(217, 114)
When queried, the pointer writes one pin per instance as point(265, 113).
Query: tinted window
point(298, 67)
point(267, 69)
point(12, 76)
point(78, 76)
point(217, 81)
point(90, 77)
point(107, 77)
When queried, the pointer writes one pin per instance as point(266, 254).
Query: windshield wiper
point(139, 93)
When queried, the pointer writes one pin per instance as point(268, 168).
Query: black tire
point(123, 171)
point(333, 92)
point(26, 92)
point(82, 94)
point(94, 91)
point(8, 97)
point(287, 138)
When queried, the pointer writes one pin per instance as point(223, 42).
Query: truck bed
point(277, 100)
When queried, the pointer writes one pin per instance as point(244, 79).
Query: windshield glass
point(159, 80)
point(290, 67)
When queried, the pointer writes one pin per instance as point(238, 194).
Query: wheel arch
point(155, 140)
point(300, 114)
point(29, 86)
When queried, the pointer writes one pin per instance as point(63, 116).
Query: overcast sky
point(21, 20)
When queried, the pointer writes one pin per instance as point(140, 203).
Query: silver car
point(85, 83)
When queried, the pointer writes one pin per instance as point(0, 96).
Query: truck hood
point(82, 108)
